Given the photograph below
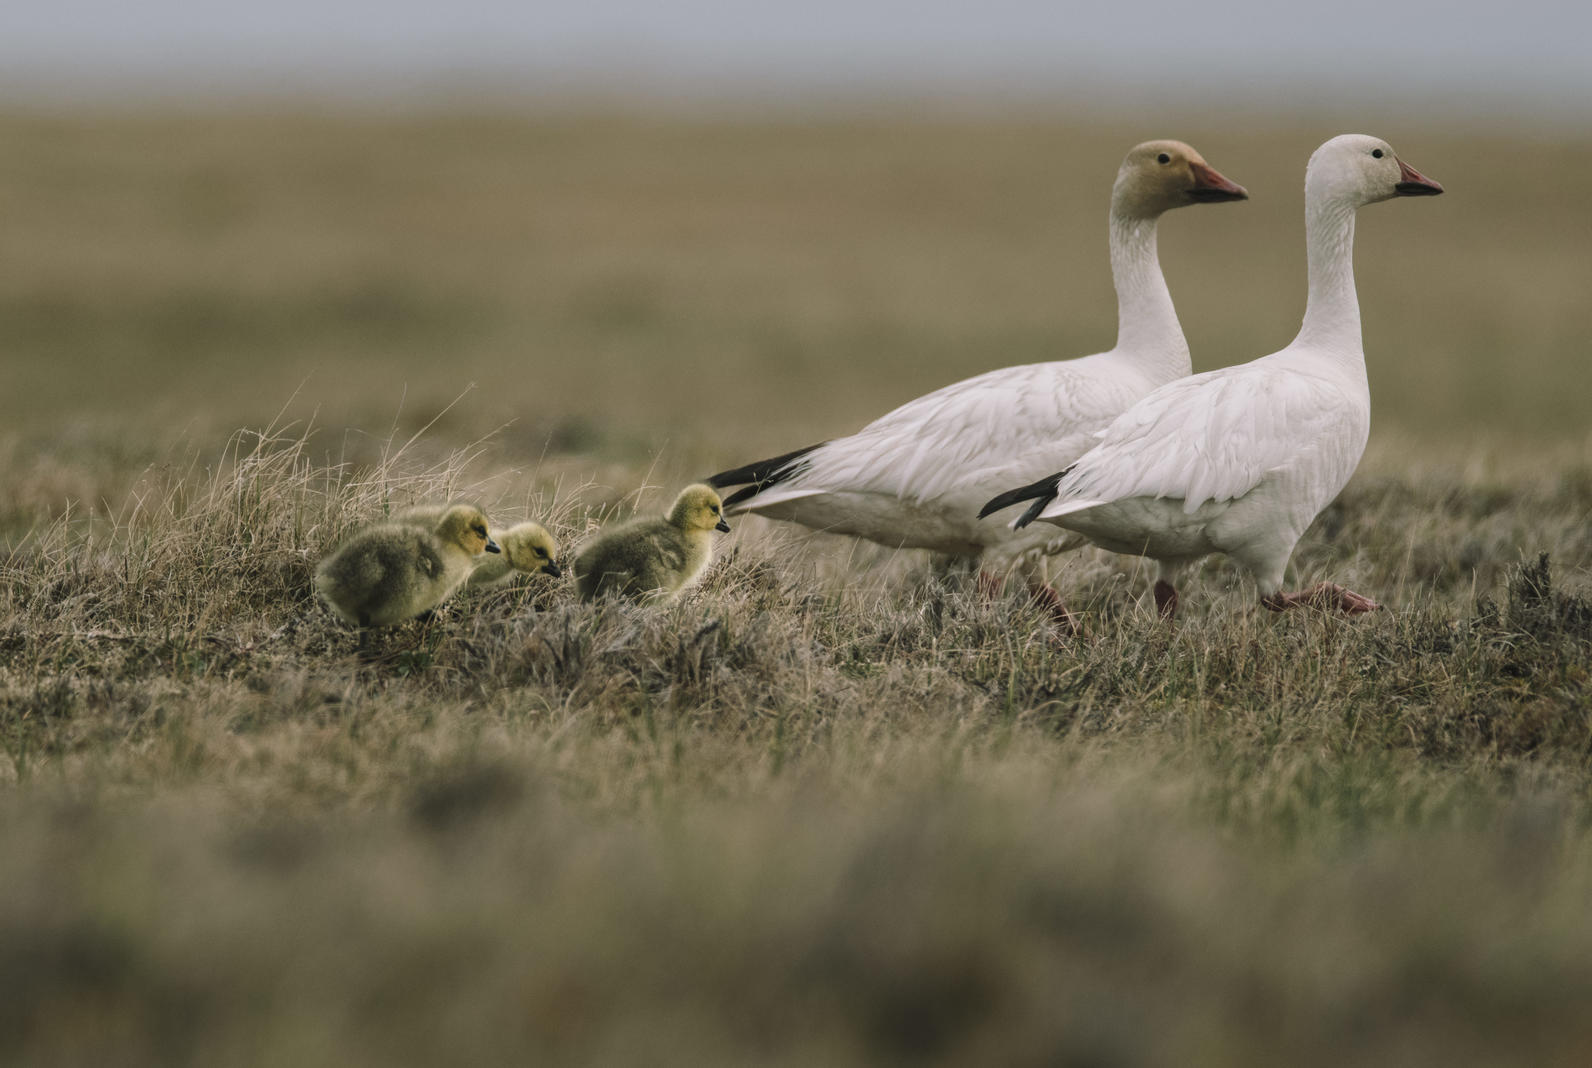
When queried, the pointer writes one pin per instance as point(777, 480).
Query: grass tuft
point(833, 807)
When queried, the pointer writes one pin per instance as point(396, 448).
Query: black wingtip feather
point(1044, 489)
point(742, 494)
point(758, 476)
point(1033, 512)
point(759, 471)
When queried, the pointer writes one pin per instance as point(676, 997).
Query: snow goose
point(1241, 460)
point(915, 477)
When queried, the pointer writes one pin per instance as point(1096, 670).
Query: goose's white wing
point(930, 445)
point(1211, 437)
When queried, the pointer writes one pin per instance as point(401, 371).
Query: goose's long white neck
point(1332, 310)
point(1148, 333)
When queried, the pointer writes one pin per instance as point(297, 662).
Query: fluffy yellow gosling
point(654, 557)
point(391, 572)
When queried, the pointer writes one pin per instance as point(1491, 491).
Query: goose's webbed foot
point(1324, 597)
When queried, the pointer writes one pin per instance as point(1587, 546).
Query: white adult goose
point(915, 477)
point(1240, 460)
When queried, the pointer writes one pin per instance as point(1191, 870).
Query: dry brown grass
point(804, 816)
point(832, 808)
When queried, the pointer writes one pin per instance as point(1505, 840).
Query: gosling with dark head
point(391, 572)
point(654, 558)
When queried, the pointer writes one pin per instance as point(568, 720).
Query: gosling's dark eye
point(714, 508)
point(1163, 158)
point(542, 553)
point(1376, 153)
point(481, 531)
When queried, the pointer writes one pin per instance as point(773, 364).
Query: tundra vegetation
point(832, 806)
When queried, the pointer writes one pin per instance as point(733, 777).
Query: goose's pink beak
point(1211, 187)
point(1412, 183)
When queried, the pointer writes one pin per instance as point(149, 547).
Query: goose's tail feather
point(756, 477)
point(1041, 493)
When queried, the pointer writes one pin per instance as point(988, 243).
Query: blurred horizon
point(592, 210)
point(597, 276)
point(1523, 63)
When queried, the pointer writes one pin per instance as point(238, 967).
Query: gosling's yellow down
point(527, 547)
point(656, 557)
point(391, 572)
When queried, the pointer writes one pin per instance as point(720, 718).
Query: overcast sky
point(1513, 57)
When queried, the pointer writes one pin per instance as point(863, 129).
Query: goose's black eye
point(1376, 153)
point(542, 553)
point(1163, 158)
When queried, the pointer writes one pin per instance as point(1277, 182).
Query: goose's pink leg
point(990, 585)
point(1166, 599)
point(1046, 597)
point(1325, 596)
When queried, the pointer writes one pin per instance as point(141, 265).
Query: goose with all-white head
point(914, 478)
point(1241, 460)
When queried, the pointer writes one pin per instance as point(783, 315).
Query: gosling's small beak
point(492, 546)
point(725, 527)
point(1412, 183)
point(552, 568)
point(1211, 188)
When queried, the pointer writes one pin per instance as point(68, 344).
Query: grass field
point(833, 808)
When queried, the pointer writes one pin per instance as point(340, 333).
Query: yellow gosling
point(527, 548)
point(391, 572)
point(654, 557)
